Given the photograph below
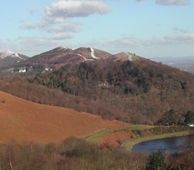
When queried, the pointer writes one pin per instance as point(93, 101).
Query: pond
point(169, 145)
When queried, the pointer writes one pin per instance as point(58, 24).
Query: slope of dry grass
point(25, 121)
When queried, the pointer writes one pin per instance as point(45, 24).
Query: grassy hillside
point(22, 120)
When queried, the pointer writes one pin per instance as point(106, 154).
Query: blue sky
point(151, 28)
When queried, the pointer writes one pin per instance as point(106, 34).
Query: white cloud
point(184, 38)
point(60, 36)
point(171, 2)
point(56, 25)
point(77, 8)
point(58, 21)
point(180, 30)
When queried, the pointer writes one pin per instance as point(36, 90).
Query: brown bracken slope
point(25, 121)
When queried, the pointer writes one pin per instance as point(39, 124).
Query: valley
point(69, 103)
point(97, 85)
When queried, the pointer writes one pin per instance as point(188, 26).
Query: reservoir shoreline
point(132, 142)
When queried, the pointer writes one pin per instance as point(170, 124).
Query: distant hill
point(183, 63)
point(9, 59)
point(58, 57)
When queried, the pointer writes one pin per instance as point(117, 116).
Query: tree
point(189, 117)
point(169, 118)
point(156, 161)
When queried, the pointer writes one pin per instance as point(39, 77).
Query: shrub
point(156, 161)
point(189, 117)
point(169, 118)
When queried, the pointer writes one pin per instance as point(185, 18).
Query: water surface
point(170, 145)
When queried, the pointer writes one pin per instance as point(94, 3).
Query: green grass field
point(155, 132)
point(96, 136)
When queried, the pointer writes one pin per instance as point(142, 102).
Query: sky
point(150, 28)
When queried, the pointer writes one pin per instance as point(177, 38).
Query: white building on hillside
point(190, 125)
point(22, 70)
